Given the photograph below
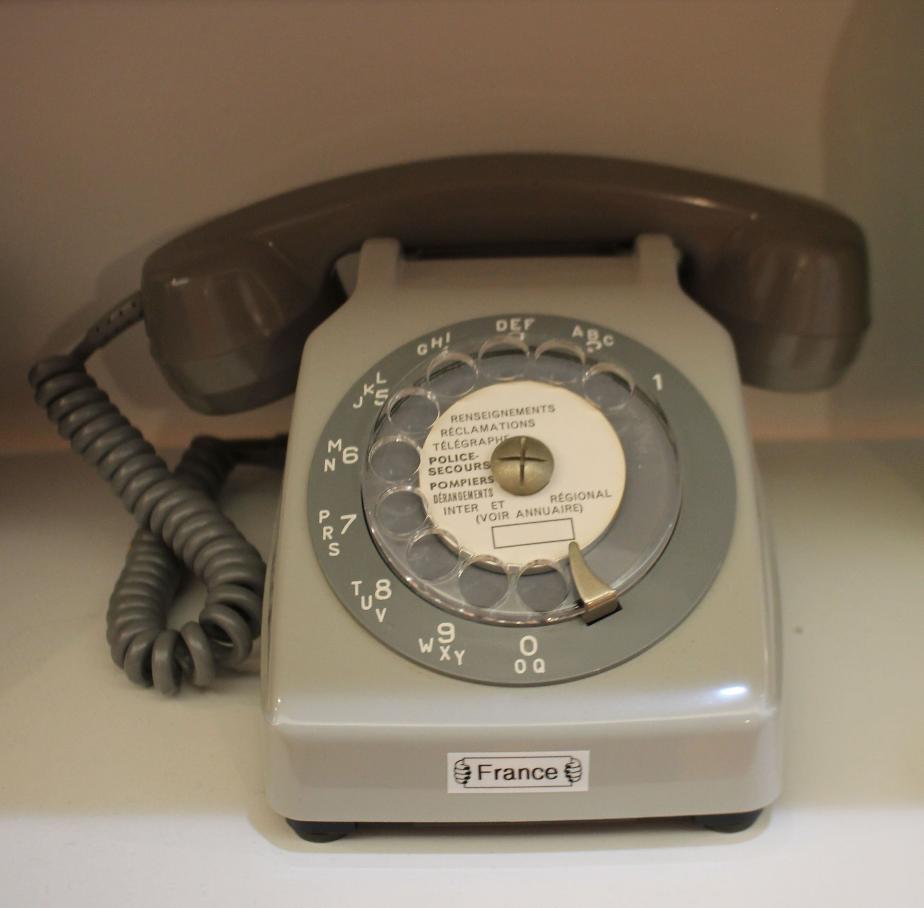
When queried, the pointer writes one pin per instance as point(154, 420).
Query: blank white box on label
point(541, 531)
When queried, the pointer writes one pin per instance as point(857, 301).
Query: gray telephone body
point(690, 726)
point(521, 571)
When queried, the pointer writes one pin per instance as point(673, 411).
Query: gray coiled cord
point(179, 525)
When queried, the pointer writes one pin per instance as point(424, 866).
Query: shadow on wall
point(873, 133)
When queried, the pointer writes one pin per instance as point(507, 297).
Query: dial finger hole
point(395, 459)
point(433, 555)
point(503, 358)
point(542, 586)
point(401, 511)
point(608, 386)
point(484, 581)
point(452, 374)
point(413, 410)
point(560, 362)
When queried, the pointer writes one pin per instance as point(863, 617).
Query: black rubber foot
point(728, 822)
point(320, 832)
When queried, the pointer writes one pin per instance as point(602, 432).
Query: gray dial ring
point(493, 654)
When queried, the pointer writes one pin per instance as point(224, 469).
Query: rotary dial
point(506, 507)
point(497, 468)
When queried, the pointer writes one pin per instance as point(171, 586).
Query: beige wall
point(124, 123)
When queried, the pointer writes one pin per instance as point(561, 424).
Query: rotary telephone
point(520, 568)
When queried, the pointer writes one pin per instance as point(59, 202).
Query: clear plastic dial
point(446, 526)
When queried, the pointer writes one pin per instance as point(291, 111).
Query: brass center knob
point(522, 465)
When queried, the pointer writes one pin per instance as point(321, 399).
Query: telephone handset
point(785, 276)
point(517, 457)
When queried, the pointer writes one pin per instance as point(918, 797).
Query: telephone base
point(687, 727)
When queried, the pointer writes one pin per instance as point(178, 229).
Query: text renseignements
point(503, 413)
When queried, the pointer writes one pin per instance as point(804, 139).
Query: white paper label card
point(523, 771)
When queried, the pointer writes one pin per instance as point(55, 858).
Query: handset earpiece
point(227, 323)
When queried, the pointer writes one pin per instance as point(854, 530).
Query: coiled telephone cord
point(180, 525)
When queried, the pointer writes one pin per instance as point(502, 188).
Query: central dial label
point(578, 501)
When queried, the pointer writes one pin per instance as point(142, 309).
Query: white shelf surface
point(113, 795)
